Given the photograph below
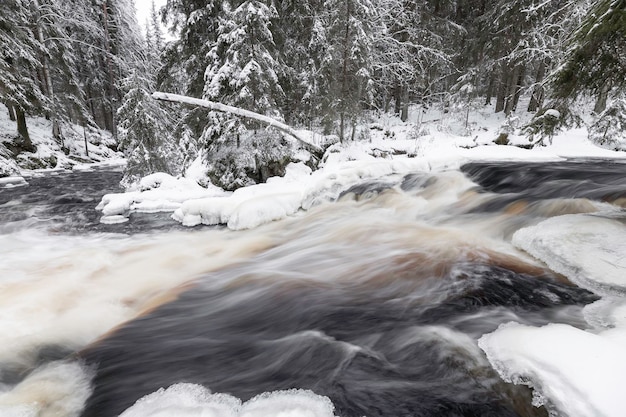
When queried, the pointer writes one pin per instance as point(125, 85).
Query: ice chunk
point(590, 250)
point(10, 182)
point(113, 219)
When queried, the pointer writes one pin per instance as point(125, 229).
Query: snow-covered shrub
point(252, 159)
point(609, 130)
point(543, 126)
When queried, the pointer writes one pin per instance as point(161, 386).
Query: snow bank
point(190, 400)
point(280, 197)
point(577, 372)
point(155, 193)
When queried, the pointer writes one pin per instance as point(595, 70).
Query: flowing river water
point(371, 304)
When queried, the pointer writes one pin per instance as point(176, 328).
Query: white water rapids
point(399, 298)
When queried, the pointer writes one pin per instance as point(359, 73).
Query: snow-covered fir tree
point(145, 130)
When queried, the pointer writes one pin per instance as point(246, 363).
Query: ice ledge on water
point(191, 400)
point(578, 373)
point(10, 182)
point(588, 249)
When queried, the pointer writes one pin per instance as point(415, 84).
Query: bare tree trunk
point(518, 86)
point(511, 89)
point(404, 114)
point(46, 78)
point(344, 74)
point(397, 96)
point(536, 99)
point(11, 110)
point(489, 92)
point(86, 143)
point(22, 130)
point(501, 94)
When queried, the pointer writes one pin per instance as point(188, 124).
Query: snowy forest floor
point(430, 140)
point(50, 154)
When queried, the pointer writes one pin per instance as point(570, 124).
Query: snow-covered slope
point(75, 152)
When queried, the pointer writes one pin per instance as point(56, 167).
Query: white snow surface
point(579, 373)
point(191, 400)
point(155, 193)
point(49, 155)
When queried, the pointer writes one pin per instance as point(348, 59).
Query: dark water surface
point(65, 202)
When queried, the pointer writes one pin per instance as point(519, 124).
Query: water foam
point(68, 290)
point(58, 389)
point(192, 400)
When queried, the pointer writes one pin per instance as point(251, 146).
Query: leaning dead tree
point(175, 98)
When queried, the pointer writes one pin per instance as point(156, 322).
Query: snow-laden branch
point(238, 112)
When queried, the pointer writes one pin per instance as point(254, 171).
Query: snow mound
point(577, 372)
point(252, 206)
point(190, 400)
point(155, 193)
point(184, 400)
point(588, 249)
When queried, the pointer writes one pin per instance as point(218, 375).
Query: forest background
point(330, 66)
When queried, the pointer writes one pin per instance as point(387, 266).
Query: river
point(372, 304)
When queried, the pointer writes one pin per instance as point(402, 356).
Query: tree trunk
point(404, 113)
point(489, 92)
point(501, 94)
point(536, 99)
point(600, 105)
point(22, 130)
point(86, 143)
point(518, 86)
point(48, 87)
point(511, 90)
point(344, 74)
point(11, 110)
point(397, 96)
